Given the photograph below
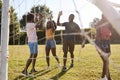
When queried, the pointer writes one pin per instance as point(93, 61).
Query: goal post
point(108, 10)
point(4, 40)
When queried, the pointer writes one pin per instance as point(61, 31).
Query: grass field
point(87, 65)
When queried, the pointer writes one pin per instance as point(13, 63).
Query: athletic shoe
point(33, 71)
point(48, 68)
point(64, 68)
point(25, 73)
point(59, 65)
point(71, 65)
point(103, 78)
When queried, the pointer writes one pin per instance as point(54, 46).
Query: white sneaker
point(103, 78)
point(59, 65)
point(48, 68)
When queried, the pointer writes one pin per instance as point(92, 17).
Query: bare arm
point(58, 19)
point(39, 21)
point(83, 41)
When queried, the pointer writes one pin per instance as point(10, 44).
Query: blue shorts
point(33, 47)
point(51, 43)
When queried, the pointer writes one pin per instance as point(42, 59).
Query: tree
point(95, 21)
point(92, 24)
point(14, 26)
point(23, 22)
point(37, 10)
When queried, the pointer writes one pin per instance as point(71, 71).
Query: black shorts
point(104, 45)
point(68, 46)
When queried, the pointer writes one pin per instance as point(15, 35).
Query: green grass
point(87, 66)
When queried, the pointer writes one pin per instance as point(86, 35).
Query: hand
point(60, 13)
point(83, 45)
point(40, 15)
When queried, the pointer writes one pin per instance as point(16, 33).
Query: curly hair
point(51, 24)
point(30, 17)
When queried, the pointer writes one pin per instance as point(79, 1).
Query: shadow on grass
point(34, 75)
point(59, 74)
point(22, 77)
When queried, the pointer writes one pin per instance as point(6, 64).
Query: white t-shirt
point(31, 32)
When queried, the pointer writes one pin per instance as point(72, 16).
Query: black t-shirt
point(70, 29)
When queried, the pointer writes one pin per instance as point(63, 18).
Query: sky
point(87, 11)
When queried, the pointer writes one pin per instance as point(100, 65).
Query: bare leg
point(72, 57)
point(105, 70)
point(34, 61)
point(104, 67)
point(108, 76)
point(54, 54)
point(64, 58)
point(28, 63)
point(47, 56)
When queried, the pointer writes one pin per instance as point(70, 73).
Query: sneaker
point(48, 68)
point(71, 65)
point(103, 78)
point(33, 71)
point(64, 68)
point(58, 65)
point(25, 73)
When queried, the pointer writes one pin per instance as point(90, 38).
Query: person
point(50, 41)
point(102, 40)
point(68, 39)
point(32, 43)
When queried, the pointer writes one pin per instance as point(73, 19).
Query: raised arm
point(38, 24)
point(58, 19)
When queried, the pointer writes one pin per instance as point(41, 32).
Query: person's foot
point(25, 73)
point(48, 68)
point(58, 65)
point(103, 78)
point(64, 68)
point(71, 65)
point(33, 71)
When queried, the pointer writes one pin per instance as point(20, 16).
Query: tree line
point(16, 36)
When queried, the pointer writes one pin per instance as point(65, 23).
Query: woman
point(50, 41)
point(103, 35)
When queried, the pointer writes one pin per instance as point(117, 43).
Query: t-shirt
point(70, 29)
point(103, 32)
point(31, 32)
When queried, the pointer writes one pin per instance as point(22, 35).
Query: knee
point(65, 55)
point(35, 55)
point(71, 51)
point(54, 54)
point(47, 57)
point(106, 62)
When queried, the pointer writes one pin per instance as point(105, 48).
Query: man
point(32, 43)
point(68, 39)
